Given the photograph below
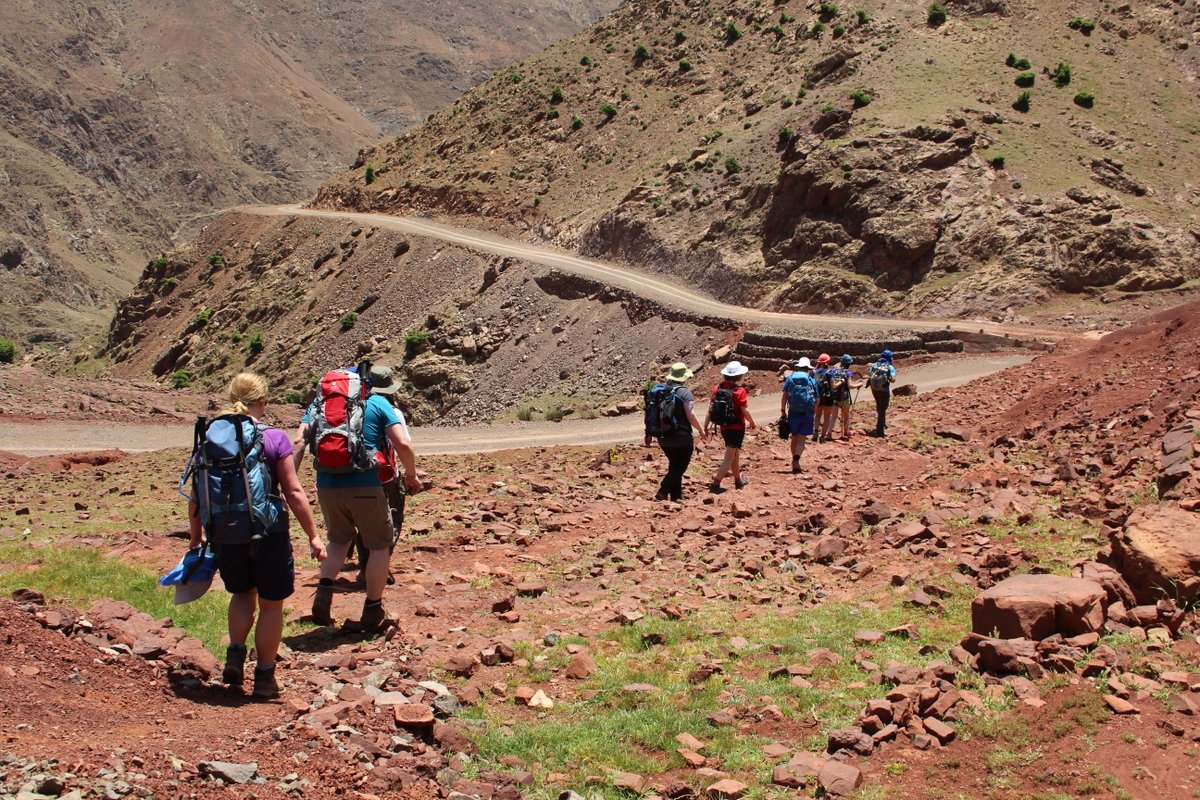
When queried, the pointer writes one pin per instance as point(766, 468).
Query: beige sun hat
point(679, 372)
point(734, 368)
point(383, 380)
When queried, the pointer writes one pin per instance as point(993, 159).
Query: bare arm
point(402, 445)
point(783, 403)
point(195, 534)
point(297, 501)
point(299, 445)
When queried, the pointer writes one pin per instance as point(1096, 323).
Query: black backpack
point(825, 388)
point(723, 410)
point(664, 411)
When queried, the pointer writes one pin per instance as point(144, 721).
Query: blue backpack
point(664, 413)
point(802, 394)
point(232, 483)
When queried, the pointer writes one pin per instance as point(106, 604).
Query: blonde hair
point(246, 389)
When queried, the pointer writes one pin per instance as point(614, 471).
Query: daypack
point(825, 386)
point(664, 413)
point(723, 410)
point(878, 376)
point(232, 483)
point(802, 394)
point(336, 425)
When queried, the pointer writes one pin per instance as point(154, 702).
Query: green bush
point(827, 10)
point(817, 29)
point(1012, 59)
point(1062, 74)
point(1020, 63)
point(861, 97)
point(712, 137)
point(415, 336)
point(786, 135)
point(294, 397)
point(785, 18)
point(1024, 79)
point(586, 61)
point(255, 344)
point(169, 283)
point(1085, 99)
point(556, 95)
point(203, 317)
point(685, 65)
point(524, 413)
point(369, 175)
point(608, 110)
point(641, 53)
point(680, 36)
point(348, 320)
point(552, 113)
point(1022, 102)
point(576, 123)
point(997, 162)
point(158, 262)
point(787, 102)
point(801, 93)
point(8, 350)
point(937, 14)
point(825, 109)
point(732, 167)
point(777, 30)
point(732, 34)
point(216, 260)
point(1084, 26)
point(839, 30)
point(862, 16)
point(180, 379)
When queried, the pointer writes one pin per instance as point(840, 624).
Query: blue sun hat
point(847, 359)
point(886, 355)
point(193, 575)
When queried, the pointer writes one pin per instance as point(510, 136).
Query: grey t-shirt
point(680, 439)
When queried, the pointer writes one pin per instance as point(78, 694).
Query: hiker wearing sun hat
point(842, 381)
point(729, 411)
point(798, 403)
point(822, 375)
point(670, 418)
point(880, 377)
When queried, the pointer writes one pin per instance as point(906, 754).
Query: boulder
point(1115, 587)
point(1158, 553)
point(1037, 606)
point(839, 779)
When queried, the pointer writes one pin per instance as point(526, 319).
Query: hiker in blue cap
point(880, 378)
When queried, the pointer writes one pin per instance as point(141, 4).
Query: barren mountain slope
point(829, 157)
point(122, 121)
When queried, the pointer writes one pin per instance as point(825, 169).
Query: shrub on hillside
point(997, 162)
point(369, 175)
point(180, 379)
point(159, 262)
point(839, 31)
point(860, 98)
point(1085, 99)
point(732, 167)
point(1062, 74)
point(817, 29)
point(608, 110)
point(862, 16)
point(216, 260)
point(586, 61)
point(1084, 26)
point(685, 65)
point(777, 30)
point(680, 36)
point(732, 34)
point(1024, 79)
point(8, 350)
point(1017, 63)
point(827, 10)
point(786, 135)
point(552, 113)
point(576, 123)
point(556, 95)
point(1022, 102)
point(785, 18)
point(256, 344)
point(640, 53)
point(203, 317)
point(294, 397)
point(937, 14)
point(348, 320)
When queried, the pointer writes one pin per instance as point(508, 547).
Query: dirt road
point(52, 438)
point(656, 288)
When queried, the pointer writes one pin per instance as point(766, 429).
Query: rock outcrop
point(1158, 553)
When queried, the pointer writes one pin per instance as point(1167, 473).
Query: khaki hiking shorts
point(357, 510)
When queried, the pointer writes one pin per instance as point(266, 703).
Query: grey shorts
point(357, 510)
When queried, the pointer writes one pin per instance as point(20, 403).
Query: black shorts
point(734, 437)
point(266, 565)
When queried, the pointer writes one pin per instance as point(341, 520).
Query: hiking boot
point(265, 685)
point(715, 488)
point(234, 673)
point(374, 619)
point(796, 466)
point(660, 496)
point(816, 438)
point(322, 606)
point(740, 483)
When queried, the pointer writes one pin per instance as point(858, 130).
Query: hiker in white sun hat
point(798, 404)
point(729, 412)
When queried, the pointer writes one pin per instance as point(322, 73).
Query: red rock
point(1159, 546)
point(413, 715)
point(629, 780)
point(808, 764)
point(839, 779)
point(690, 742)
point(580, 667)
point(941, 730)
point(727, 789)
point(1037, 606)
point(783, 775)
point(1120, 706)
point(461, 665)
point(531, 588)
point(523, 695)
point(692, 758)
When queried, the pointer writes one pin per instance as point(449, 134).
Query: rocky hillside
point(123, 121)
point(984, 158)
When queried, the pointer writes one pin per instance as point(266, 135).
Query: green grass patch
point(607, 728)
point(81, 576)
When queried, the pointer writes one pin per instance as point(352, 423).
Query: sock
point(235, 647)
point(325, 582)
point(373, 603)
point(264, 668)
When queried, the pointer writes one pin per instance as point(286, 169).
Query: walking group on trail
point(243, 473)
point(812, 402)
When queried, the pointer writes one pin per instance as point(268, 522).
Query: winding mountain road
point(655, 287)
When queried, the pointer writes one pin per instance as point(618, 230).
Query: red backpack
point(336, 440)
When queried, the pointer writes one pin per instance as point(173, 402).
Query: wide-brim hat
point(192, 576)
point(383, 380)
point(823, 358)
point(803, 363)
point(679, 372)
point(847, 358)
point(887, 354)
point(192, 590)
point(734, 369)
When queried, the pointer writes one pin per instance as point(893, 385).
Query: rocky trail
point(542, 587)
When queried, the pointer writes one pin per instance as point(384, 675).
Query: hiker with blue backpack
point(880, 377)
point(841, 379)
point(823, 374)
point(348, 428)
point(729, 411)
point(670, 418)
point(242, 476)
point(798, 404)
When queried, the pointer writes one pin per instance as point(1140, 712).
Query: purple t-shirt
point(276, 445)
